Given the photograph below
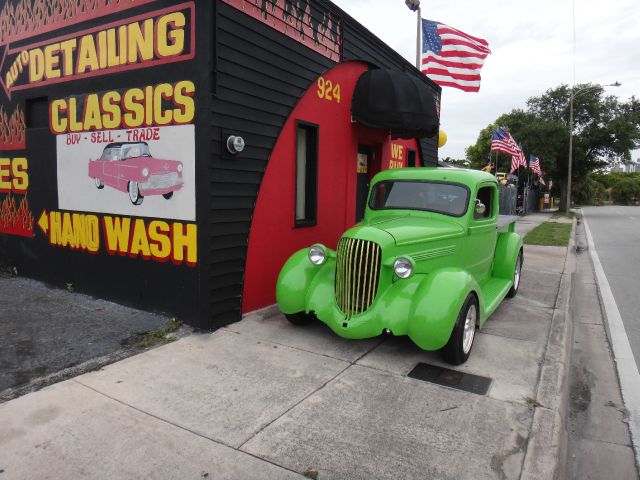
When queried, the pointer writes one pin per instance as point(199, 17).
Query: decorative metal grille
point(357, 275)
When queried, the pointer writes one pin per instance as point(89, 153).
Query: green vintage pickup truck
point(431, 259)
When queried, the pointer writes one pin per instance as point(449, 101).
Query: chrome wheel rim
point(469, 329)
point(516, 275)
point(98, 182)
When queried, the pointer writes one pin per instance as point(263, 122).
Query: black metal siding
point(259, 76)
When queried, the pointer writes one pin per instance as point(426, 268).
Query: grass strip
point(554, 234)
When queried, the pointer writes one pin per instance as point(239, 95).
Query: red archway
point(274, 236)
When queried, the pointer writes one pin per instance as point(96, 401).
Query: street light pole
point(574, 94)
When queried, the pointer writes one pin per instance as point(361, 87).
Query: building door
point(364, 163)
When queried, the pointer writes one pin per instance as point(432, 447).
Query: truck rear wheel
point(300, 318)
point(458, 348)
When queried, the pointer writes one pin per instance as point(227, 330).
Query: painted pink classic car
point(129, 167)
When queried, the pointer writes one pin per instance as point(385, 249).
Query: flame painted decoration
point(12, 130)
point(16, 220)
point(307, 22)
point(23, 18)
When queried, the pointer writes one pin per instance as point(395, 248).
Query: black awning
point(396, 101)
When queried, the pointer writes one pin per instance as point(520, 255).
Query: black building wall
point(248, 79)
point(260, 74)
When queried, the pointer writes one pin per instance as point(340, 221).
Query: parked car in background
point(130, 167)
point(432, 259)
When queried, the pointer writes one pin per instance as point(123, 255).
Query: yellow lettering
point(36, 65)
point(74, 124)
point(139, 241)
point(111, 110)
point(55, 228)
point(162, 92)
point(170, 34)
point(185, 238)
point(92, 119)
point(160, 245)
point(79, 231)
point(51, 61)
point(87, 56)
point(183, 99)
point(67, 47)
point(134, 116)
point(116, 232)
point(5, 175)
point(67, 230)
point(58, 122)
point(19, 173)
point(140, 45)
point(92, 234)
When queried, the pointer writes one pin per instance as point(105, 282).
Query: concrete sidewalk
point(263, 399)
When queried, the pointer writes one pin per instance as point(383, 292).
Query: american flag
point(452, 58)
point(534, 165)
point(518, 160)
point(502, 141)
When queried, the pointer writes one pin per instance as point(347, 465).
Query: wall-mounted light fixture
point(235, 144)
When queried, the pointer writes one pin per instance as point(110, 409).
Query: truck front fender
point(294, 281)
point(437, 303)
point(507, 249)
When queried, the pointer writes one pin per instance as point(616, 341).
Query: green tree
point(606, 130)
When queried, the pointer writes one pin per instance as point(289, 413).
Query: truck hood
point(408, 229)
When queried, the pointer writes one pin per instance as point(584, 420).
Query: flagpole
point(418, 37)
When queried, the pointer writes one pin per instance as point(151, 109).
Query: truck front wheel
point(300, 318)
point(458, 348)
point(516, 277)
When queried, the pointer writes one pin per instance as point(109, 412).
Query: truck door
point(483, 234)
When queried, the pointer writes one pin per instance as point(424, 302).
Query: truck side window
point(485, 195)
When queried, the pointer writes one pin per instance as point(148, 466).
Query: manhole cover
point(451, 378)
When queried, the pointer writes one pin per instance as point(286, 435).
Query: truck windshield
point(445, 198)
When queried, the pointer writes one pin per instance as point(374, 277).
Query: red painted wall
point(273, 237)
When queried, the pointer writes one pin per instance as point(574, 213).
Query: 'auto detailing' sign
point(155, 38)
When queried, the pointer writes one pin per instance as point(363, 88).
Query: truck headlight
point(403, 268)
point(145, 172)
point(317, 255)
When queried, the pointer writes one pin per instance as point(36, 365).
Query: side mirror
point(480, 208)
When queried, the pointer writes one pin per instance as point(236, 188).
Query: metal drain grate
point(451, 378)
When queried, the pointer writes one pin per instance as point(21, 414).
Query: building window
point(306, 175)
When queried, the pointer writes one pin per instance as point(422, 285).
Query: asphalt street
point(616, 235)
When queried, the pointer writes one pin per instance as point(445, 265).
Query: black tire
point(454, 352)
point(517, 277)
point(99, 183)
point(300, 318)
point(168, 195)
point(134, 193)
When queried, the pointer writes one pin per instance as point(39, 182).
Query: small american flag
point(502, 141)
point(452, 58)
point(518, 160)
point(534, 165)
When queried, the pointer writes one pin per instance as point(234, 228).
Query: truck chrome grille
point(357, 275)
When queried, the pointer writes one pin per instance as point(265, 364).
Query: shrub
point(626, 191)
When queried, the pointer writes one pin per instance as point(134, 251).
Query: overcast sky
point(531, 43)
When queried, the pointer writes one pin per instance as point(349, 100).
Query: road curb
point(546, 455)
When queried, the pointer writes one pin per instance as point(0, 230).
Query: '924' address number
point(328, 90)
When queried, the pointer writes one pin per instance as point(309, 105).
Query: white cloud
point(532, 51)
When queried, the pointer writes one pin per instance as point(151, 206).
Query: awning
point(396, 101)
